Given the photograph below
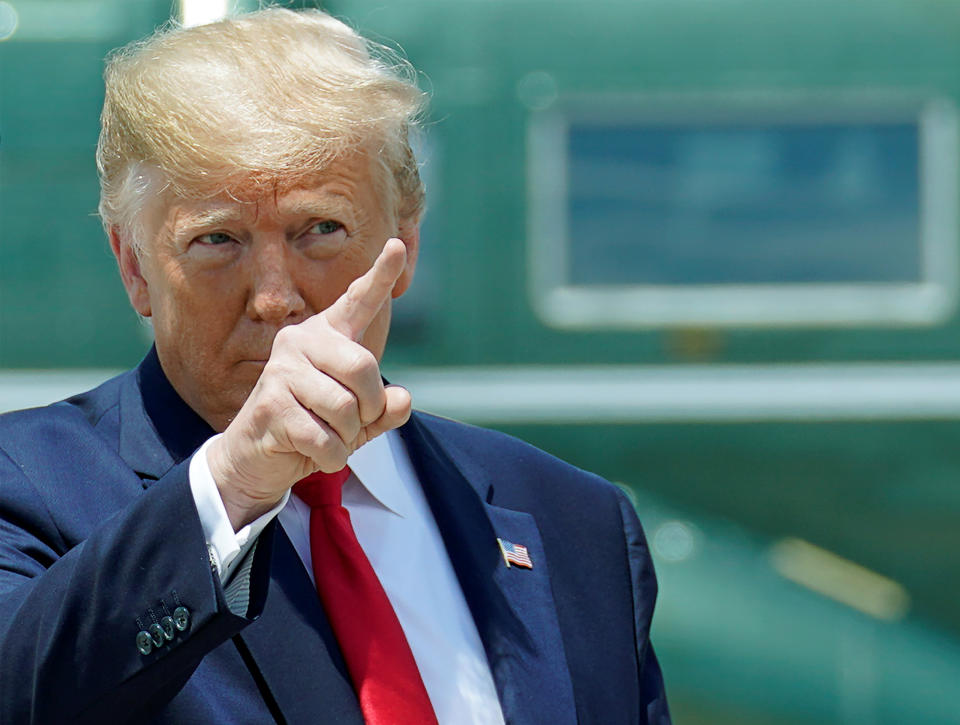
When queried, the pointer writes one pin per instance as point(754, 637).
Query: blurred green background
point(706, 248)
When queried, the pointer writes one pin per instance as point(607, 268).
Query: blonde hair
point(271, 96)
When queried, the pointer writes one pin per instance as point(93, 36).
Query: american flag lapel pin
point(515, 554)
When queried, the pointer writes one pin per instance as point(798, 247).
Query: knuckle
point(271, 372)
point(261, 417)
point(363, 364)
point(355, 289)
point(274, 392)
point(286, 338)
point(344, 405)
point(309, 438)
point(269, 404)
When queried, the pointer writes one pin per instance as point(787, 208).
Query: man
point(263, 203)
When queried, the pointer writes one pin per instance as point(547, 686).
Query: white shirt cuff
point(223, 544)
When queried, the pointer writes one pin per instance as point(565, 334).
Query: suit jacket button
point(156, 634)
point(181, 618)
point(144, 642)
point(169, 628)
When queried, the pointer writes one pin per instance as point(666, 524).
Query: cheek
point(191, 317)
point(196, 294)
point(358, 258)
point(327, 281)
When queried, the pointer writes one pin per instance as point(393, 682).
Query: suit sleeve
point(653, 698)
point(70, 617)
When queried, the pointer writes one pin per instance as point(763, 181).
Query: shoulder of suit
point(62, 420)
point(506, 455)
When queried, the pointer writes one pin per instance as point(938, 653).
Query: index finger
point(356, 308)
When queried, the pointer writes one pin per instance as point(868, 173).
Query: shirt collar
point(374, 466)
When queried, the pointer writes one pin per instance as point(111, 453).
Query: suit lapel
point(295, 649)
point(139, 444)
point(157, 429)
point(513, 608)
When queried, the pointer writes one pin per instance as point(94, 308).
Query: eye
point(214, 238)
point(327, 226)
point(323, 239)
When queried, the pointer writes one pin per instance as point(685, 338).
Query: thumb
point(396, 412)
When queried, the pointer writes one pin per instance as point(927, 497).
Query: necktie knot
point(322, 489)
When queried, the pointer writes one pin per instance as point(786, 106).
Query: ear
point(409, 234)
point(133, 279)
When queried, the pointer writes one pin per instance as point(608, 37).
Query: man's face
point(220, 277)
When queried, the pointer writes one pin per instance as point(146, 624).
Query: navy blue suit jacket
point(99, 536)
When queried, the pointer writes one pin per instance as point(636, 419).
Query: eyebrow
point(332, 204)
point(211, 217)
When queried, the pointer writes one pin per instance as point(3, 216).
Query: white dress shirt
point(397, 532)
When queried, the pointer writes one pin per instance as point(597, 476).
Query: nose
point(275, 295)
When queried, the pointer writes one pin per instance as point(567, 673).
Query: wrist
point(243, 506)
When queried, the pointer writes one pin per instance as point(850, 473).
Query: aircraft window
point(744, 220)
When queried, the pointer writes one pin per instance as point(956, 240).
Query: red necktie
point(381, 665)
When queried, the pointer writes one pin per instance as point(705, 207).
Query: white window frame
point(560, 304)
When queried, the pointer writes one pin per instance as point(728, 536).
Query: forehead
point(346, 186)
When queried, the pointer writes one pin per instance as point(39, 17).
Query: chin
point(235, 393)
